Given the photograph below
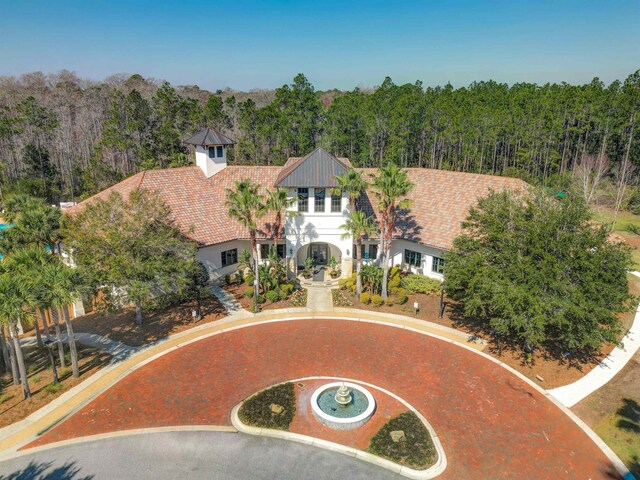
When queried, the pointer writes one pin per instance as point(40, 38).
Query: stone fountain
point(342, 405)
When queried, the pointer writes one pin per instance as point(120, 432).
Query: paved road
point(491, 423)
point(189, 455)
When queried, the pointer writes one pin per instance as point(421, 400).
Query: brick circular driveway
point(491, 423)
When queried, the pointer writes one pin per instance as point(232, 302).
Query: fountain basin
point(342, 417)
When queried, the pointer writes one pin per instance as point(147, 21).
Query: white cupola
point(211, 150)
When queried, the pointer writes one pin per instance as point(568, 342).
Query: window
point(303, 199)
point(373, 252)
point(220, 151)
point(229, 257)
point(265, 248)
point(212, 152)
point(438, 265)
point(413, 258)
point(320, 194)
point(336, 203)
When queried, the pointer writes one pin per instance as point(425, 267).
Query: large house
point(440, 201)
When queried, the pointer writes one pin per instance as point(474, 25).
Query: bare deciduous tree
point(589, 173)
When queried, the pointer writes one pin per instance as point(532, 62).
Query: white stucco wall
point(397, 254)
point(319, 227)
point(210, 257)
point(210, 166)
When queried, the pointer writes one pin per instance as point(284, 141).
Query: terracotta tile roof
point(440, 200)
point(197, 202)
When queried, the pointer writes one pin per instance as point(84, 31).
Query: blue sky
point(247, 44)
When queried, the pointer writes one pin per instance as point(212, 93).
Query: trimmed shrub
point(272, 296)
point(353, 288)
point(365, 298)
point(257, 411)
point(260, 299)
point(287, 289)
point(248, 279)
point(401, 297)
point(349, 284)
point(389, 301)
point(227, 279)
point(342, 283)
point(376, 300)
point(420, 284)
point(415, 451)
point(353, 277)
point(394, 282)
point(248, 292)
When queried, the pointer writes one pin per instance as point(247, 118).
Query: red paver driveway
point(491, 424)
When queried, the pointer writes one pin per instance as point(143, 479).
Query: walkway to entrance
point(319, 299)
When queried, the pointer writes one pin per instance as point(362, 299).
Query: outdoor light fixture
point(50, 346)
point(416, 306)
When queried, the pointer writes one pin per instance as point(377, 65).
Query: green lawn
point(624, 219)
point(620, 430)
point(621, 227)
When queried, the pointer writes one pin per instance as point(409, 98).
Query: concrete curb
point(436, 469)
point(242, 321)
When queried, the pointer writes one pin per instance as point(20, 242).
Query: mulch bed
point(247, 303)
point(14, 408)
point(121, 326)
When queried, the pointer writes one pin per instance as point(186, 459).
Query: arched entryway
point(322, 255)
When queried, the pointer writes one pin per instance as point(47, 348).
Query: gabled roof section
point(318, 169)
point(209, 136)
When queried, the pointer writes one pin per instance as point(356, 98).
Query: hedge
point(420, 284)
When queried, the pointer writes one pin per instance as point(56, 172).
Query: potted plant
point(334, 270)
point(308, 263)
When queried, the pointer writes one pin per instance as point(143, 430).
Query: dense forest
point(65, 138)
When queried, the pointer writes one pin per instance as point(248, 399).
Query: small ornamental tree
point(538, 270)
point(131, 244)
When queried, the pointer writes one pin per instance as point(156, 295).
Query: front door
point(318, 253)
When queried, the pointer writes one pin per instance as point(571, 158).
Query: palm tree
point(390, 186)
point(62, 285)
point(36, 224)
point(8, 355)
point(29, 262)
point(351, 181)
point(358, 225)
point(14, 295)
point(244, 204)
point(278, 201)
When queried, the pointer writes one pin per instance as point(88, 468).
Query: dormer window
point(216, 151)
